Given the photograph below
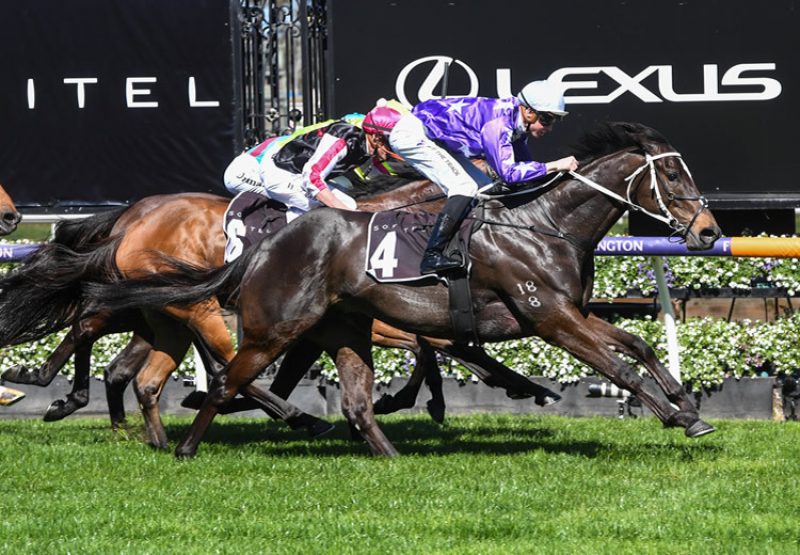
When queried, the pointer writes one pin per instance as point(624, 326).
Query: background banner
point(107, 101)
point(718, 79)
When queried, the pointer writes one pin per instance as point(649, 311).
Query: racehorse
point(9, 216)
point(189, 226)
point(532, 269)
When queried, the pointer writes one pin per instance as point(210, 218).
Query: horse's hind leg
point(119, 373)
point(79, 396)
point(249, 361)
point(43, 375)
point(296, 362)
point(354, 363)
point(633, 346)
point(171, 341)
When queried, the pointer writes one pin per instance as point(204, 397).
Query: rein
point(665, 216)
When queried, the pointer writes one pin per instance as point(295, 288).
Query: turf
point(478, 484)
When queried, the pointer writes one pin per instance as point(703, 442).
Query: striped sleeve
point(329, 151)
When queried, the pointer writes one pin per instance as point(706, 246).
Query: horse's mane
point(614, 136)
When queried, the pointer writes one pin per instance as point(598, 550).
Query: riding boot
point(447, 224)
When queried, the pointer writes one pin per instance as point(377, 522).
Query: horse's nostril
point(12, 218)
point(709, 234)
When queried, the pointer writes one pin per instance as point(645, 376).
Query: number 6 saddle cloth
point(248, 219)
point(397, 241)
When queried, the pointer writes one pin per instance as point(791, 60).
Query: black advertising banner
point(106, 101)
point(717, 78)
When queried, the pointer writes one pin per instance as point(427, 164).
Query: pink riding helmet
point(380, 120)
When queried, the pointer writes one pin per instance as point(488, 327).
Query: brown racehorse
point(9, 216)
point(187, 226)
point(532, 266)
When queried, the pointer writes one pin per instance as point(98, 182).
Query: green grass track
point(479, 484)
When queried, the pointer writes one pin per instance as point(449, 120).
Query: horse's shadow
point(410, 437)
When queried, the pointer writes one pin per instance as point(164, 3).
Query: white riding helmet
point(543, 96)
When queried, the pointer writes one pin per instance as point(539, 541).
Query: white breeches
point(451, 171)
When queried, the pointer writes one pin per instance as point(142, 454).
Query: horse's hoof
point(518, 396)
point(320, 428)
point(549, 399)
point(56, 411)
point(436, 410)
point(19, 374)
point(184, 452)
point(384, 405)
point(194, 400)
point(699, 428)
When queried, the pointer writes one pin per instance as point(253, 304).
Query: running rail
point(783, 247)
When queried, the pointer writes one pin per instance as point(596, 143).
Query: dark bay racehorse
point(9, 216)
point(43, 297)
point(532, 270)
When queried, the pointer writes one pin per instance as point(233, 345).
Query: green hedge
point(712, 349)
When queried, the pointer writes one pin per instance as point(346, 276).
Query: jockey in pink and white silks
point(439, 137)
point(300, 170)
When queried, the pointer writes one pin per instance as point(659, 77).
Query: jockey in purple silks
point(439, 137)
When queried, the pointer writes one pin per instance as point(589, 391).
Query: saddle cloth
point(396, 242)
point(248, 219)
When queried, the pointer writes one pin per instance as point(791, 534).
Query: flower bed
point(712, 349)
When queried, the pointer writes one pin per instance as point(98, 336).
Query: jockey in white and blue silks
point(439, 137)
point(301, 170)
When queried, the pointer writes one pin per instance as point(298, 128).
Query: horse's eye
point(672, 176)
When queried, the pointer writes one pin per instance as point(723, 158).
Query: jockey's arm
point(329, 151)
point(327, 198)
point(502, 156)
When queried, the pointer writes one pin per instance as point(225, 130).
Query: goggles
point(547, 119)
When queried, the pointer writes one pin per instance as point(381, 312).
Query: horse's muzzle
point(703, 237)
point(9, 219)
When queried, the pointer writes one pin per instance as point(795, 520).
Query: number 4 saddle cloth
point(397, 241)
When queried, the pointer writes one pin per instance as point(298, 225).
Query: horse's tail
point(81, 235)
point(181, 284)
point(43, 295)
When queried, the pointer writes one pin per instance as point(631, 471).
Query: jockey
point(438, 137)
point(303, 170)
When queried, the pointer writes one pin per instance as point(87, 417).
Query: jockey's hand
point(567, 164)
point(327, 198)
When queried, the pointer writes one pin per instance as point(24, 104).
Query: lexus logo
point(434, 78)
point(739, 82)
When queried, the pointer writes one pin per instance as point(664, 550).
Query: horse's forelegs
point(426, 370)
point(633, 346)
point(433, 379)
point(494, 374)
point(569, 330)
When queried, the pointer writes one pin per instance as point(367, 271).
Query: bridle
point(665, 216)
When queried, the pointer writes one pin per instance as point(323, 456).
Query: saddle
point(395, 245)
point(248, 219)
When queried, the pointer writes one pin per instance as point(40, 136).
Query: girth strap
point(461, 313)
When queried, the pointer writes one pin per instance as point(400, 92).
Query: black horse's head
point(662, 184)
